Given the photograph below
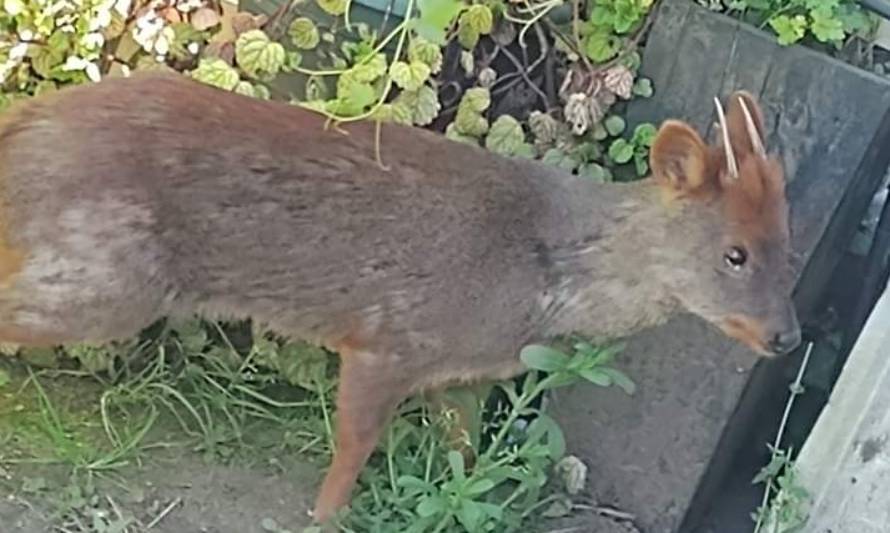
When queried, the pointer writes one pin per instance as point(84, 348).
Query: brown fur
point(130, 200)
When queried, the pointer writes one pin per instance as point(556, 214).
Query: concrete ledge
point(845, 462)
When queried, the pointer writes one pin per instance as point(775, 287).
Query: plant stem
point(795, 391)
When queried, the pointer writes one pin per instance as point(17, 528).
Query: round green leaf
point(476, 99)
point(544, 358)
point(423, 104)
point(467, 36)
point(505, 135)
point(614, 124)
point(644, 135)
point(216, 72)
point(258, 55)
point(368, 71)
point(621, 151)
point(453, 133)
point(479, 18)
point(595, 172)
point(560, 159)
point(600, 46)
point(409, 76)
point(394, 112)
point(245, 88)
point(470, 123)
point(424, 51)
point(303, 33)
point(4, 378)
point(332, 7)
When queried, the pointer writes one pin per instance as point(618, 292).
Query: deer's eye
point(735, 257)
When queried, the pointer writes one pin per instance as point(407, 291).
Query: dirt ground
point(174, 493)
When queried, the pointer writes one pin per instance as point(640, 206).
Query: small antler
point(756, 142)
point(731, 164)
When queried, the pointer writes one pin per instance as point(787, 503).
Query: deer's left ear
point(679, 159)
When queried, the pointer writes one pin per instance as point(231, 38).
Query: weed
point(785, 513)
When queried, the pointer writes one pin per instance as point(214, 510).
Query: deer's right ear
point(679, 158)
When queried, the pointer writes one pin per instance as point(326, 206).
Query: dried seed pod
point(596, 110)
point(487, 77)
point(577, 112)
point(543, 127)
point(619, 80)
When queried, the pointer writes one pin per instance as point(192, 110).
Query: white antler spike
point(756, 142)
point(731, 165)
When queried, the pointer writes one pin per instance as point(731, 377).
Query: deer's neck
point(599, 245)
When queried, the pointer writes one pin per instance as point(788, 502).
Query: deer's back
point(156, 195)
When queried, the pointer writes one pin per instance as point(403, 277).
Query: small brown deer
point(134, 199)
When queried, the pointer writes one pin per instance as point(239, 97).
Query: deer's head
point(726, 256)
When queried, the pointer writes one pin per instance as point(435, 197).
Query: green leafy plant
point(829, 22)
point(786, 512)
point(420, 485)
point(636, 148)
point(607, 22)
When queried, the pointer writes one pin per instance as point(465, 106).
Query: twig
point(163, 514)
point(523, 72)
point(576, 32)
point(616, 514)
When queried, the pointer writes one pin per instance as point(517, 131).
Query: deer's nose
point(785, 341)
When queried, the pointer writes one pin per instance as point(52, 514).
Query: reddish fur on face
point(687, 168)
point(747, 330)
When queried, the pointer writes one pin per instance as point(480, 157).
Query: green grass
point(235, 396)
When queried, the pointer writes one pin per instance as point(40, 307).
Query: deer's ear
point(679, 158)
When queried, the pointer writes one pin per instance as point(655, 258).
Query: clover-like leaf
point(257, 55)
point(789, 29)
point(826, 26)
point(643, 87)
point(614, 124)
point(621, 151)
point(303, 33)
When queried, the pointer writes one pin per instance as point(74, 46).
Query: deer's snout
point(783, 342)
point(769, 337)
